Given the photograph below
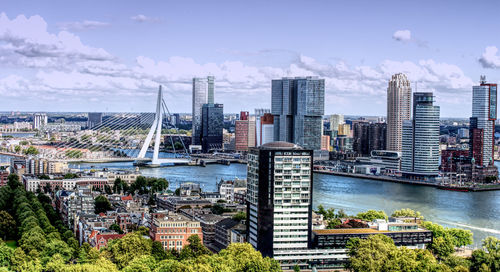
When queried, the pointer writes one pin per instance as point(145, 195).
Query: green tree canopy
point(407, 213)
point(101, 204)
point(371, 215)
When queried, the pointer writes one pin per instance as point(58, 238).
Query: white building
point(39, 120)
point(398, 110)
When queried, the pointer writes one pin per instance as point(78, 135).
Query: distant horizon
point(111, 56)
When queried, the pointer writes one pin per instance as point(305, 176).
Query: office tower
point(344, 130)
point(212, 126)
point(279, 198)
point(360, 135)
point(39, 120)
point(203, 93)
point(420, 157)
point(377, 136)
point(335, 121)
point(398, 110)
point(245, 132)
point(258, 132)
point(298, 108)
point(94, 119)
point(266, 129)
point(484, 114)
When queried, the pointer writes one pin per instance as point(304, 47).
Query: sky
point(111, 56)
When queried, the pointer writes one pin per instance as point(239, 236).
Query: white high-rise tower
point(398, 110)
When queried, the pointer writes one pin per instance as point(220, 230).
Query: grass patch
point(11, 243)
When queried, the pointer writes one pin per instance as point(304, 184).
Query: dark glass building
point(298, 105)
point(212, 124)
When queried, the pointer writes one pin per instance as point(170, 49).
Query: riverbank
point(412, 182)
point(11, 154)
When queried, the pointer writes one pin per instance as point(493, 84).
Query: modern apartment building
point(245, 132)
point(279, 197)
point(39, 120)
point(203, 93)
point(298, 108)
point(484, 115)
point(398, 110)
point(420, 156)
point(212, 127)
point(94, 119)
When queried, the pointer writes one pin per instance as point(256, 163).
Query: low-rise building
point(224, 232)
point(32, 183)
point(100, 240)
point(172, 230)
point(174, 203)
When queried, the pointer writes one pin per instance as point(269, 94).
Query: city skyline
point(112, 59)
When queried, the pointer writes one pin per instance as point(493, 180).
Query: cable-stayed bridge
point(123, 137)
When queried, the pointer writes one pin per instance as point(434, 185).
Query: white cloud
point(490, 59)
point(141, 18)
point(402, 35)
point(67, 70)
point(84, 25)
point(26, 42)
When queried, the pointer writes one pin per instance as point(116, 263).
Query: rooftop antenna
point(482, 79)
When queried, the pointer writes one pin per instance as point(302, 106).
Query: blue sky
point(111, 55)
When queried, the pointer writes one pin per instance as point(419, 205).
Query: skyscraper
point(245, 132)
point(484, 114)
point(398, 110)
point(203, 93)
point(335, 121)
point(266, 129)
point(279, 198)
point(94, 119)
point(212, 126)
point(298, 107)
point(258, 115)
point(420, 139)
point(39, 120)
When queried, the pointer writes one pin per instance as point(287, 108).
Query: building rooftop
point(360, 231)
point(280, 145)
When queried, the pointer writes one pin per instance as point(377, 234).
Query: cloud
point(64, 69)
point(490, 59)
point(402, 35)
point(26, 42)
point(406, 37)
point(141, 18)
point(84, 25)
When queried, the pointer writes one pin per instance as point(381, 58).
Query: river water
point(476, 211)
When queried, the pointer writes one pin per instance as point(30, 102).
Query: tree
point(120, 186)
point(194, 249)
point(130, 246)
point(7, 226)
point(240, 216)
point(487, 258)
point(378, 253)
point(177, 192)
point(17, 148)
point(101, 204)
point(371, 215)
point(407, 213)
point(218, 209)
point(116, 228)
point(5, 254)
point(13, 181)
point(31, 151)
point(107, 190)
point(158, 252)
point(70, 176)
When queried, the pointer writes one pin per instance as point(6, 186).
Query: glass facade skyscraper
point(298, 107)
point(212, 126)
point(484, 115)
point(420, 139)
point(203, 93)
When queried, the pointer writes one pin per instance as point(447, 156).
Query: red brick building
point(99, 241)
point(172, 230)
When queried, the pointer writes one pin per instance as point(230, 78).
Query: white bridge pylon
point(156, 127)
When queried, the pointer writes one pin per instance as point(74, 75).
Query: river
point(476, 211)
